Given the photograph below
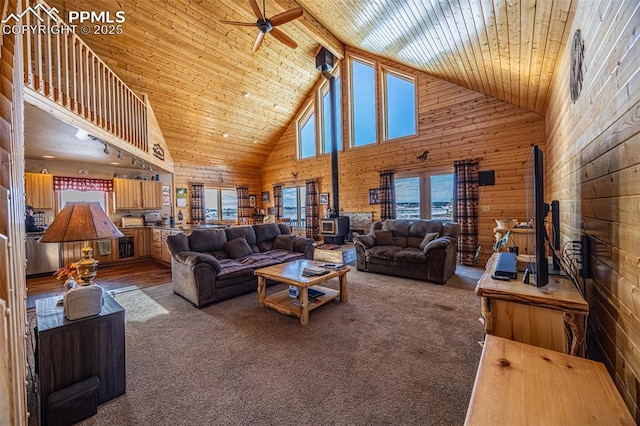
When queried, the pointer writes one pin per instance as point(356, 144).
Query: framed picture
point(166, 200)
point(166, 190)
point(265, 196)
point(324, 198)
point(271, 211)
point(181, 197)
point(252, 200)
point(374, 196)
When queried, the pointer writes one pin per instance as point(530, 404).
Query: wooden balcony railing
point(63, 68)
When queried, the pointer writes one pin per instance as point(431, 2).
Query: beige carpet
point(400, 352)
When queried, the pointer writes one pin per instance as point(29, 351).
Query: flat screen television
point(537, 211)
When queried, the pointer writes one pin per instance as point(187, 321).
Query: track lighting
point(142, 165)
point(120, 154)
point(150, 168)
point(133, 161)
point(106, 149)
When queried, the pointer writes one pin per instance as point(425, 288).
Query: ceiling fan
point(266, 25)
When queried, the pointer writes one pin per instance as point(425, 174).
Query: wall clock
point(575, 73)
point(83, 172)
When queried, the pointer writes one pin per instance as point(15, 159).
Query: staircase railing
point(60, 66)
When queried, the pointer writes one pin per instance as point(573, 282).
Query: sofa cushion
point(245, 232)
point(384, 252)
point(281, 256)
point(207, 240)
point(421, 227)
point(400, 241)
point(266, 232)
point(410, 254)
point(238, 248)
point(383, 238)
point(177, 243)
point(283, 242)
point(428, 237)
point(438, 243)
point(193, 258)
point(230, 268)
point(399, 228)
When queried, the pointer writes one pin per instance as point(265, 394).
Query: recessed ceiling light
point(115, 163)
point(225, 134)
point(48, 156)
point(245, 94)
point(274, 106)
point(255, 141)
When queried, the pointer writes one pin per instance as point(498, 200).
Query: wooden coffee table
point(290, 273)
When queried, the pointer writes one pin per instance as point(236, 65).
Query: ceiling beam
point(315, 29)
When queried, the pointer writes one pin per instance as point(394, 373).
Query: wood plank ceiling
point(196, 69)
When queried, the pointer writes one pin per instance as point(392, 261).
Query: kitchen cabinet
point(159, 250)
point(110, 251)
point(38, 188)
point(137, 194)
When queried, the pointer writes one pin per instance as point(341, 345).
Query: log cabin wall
point(453, 123)
point(592, 165)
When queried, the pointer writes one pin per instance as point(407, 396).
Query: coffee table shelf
point(291, 274)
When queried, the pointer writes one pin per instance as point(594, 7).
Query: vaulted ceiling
point(203, 80)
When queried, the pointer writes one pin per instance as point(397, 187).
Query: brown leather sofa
point(420, 249)
point(211, 265)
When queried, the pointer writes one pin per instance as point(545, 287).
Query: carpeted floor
point(400, 352)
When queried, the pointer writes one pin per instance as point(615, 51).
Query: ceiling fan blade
point(282, 37)
point(256, 9)
point(243, 24)
point(258, 41)
point(284, 17)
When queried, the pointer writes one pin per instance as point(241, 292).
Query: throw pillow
point(238, 248)
point(383, 238)
point(428, 237)
point(283, 242)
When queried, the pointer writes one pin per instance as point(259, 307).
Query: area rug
point(329, 247)
point(398, 352)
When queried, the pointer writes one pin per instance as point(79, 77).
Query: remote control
point(495, 277)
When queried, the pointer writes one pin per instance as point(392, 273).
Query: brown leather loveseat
point(421, 249)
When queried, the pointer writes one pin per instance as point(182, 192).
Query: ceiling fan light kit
point(266, 25)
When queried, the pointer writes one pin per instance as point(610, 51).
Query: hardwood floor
point(115, 277)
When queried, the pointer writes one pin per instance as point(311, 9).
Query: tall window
point(293, 204)
point(220, 204)
point(307, 134)
point(425, 197)
point(326, 117)
point(363, 96)
point(400, 105)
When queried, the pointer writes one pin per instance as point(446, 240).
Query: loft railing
point(63, 68)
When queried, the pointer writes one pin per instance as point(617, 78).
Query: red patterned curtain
point(465, 208)
point(277, 200)
point(197, 203)
point(60, 183)
point(387, 195)
point(311, 209)
point(245, 211)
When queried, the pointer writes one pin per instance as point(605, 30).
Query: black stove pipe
point(334, 144)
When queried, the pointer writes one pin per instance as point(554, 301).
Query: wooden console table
point(520, 384)
point(552, 317)
point(71, 351)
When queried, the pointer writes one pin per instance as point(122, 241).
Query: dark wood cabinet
point(71, 351)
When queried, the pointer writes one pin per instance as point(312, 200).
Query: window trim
point(425, 188)
point(307, 111)
point(219, 219)
point(350, 102)
point(298, 219)
point(384, 70)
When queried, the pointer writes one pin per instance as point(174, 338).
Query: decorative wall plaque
point(158, 151)
point(575, 73)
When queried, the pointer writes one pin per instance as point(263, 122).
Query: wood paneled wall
point(593, 168)
point(454, 123)
point(13, 307)
point(185, 174)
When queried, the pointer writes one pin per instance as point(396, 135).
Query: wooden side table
point(539, 316)
point(71, 351)
point(520, 384)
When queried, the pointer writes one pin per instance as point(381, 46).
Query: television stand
point(338, 239)
point(552, 317)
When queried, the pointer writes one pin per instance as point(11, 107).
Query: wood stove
point(334, 229)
